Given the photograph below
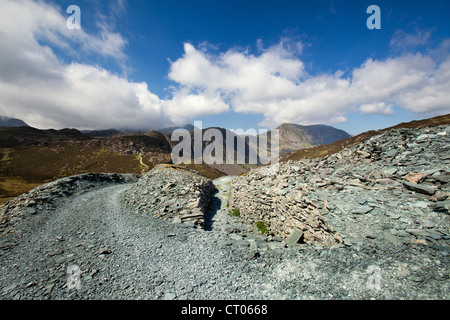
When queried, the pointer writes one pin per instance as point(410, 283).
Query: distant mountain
point(188, 127)
point(11, 137)
point(329, 149)
point(11, 122)
point(295, 137)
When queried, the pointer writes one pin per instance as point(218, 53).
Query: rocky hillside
point(31, 157)
point(392, 188)
point(294, 137)
point(322, 151)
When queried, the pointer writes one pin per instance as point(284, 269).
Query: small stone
point(241, 243)
point(56, 253)
point(428, 224)
point(428, 190)
point(253, 245)
point(417, 232)
point(294, 237)
point(60, 259)
point(439, 196)
point(361, 201)
point(350, 242)
point(224, 243)
point(169, 296)
point(421, 204)
point(442, 206)
point(363, 154)
point(275, 245)
point(415, 177)
point(105, 251)
point(391, 153)
point(281, 192)
point(402, 233)
point(176, 220)
point(235, 236)
point(277, 238)
point(31, 210)
point(420, 241)
point(48, 289)
point(362, 210)
point(389, 172)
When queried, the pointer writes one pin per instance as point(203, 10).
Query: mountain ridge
point(294, 136)
point(11, 122)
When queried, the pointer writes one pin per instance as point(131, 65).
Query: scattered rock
point(415, 177)
point(429, 190)
point(362, 210)
point(442, 206)
point(294, 237)
point(105, 251)
point(169, 296)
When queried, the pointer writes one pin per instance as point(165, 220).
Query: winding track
point(120, 254)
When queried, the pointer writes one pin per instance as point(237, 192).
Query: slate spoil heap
point(171, 193)
point(393, 188)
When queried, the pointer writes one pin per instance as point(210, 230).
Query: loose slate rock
point(294, 237)
point(362, 210)
point(428, 190)
point(442, 206)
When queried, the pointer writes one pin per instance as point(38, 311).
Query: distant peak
point(11, 122)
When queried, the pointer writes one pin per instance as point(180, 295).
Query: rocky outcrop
point(391, 188)
point(171, 193)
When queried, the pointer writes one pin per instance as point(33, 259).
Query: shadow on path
point(214, 206)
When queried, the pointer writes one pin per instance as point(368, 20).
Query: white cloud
point(38, 87)
point(402, 40)
point(434, 94)
point(276, 84)
point(377, 108)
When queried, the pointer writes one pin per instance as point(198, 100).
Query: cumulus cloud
point(377, 108)
point(38, 87)
point(276, 84)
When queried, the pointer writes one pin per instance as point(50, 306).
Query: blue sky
point(236, 64)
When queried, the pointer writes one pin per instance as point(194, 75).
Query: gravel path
point(124, 255)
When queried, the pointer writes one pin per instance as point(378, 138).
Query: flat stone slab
point(418, 232)
point(361, 210)
point(428, 190)
point(294, 237)
point(442, 206)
